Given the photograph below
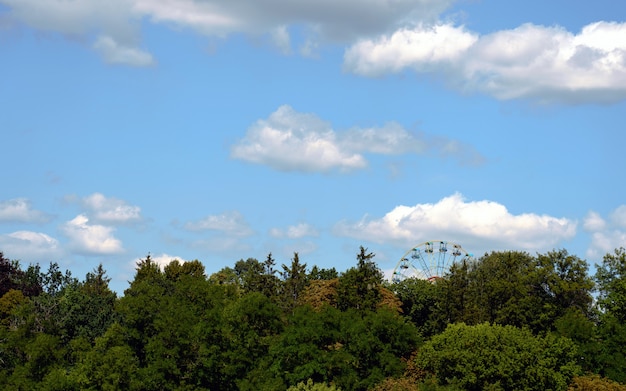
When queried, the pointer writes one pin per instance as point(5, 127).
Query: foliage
point(496, 357)
point(310, 386)
point(257, 326)
point(515, 288)
point(594, 383)
point(611, 280)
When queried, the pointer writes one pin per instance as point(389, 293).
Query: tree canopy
point(507, 320)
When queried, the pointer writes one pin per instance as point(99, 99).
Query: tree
point(360, 287)
point(352, 349)
point(420, 300)
point(293, 283)
point(497, 357)
point(323, 274)
point(611, 280)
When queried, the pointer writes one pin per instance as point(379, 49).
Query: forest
point(507, 320)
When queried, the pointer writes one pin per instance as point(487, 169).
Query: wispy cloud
point(606, 234)
point(293, 141)
point(231, 223)
point(477, 225)
point(544, 64)
point(115, 53)
point(294, 231)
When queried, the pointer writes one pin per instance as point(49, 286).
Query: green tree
point(494, 357)
point(611, 280)
point(294, 280)
point(251, 324)
point(359, 287)
point(420, 300)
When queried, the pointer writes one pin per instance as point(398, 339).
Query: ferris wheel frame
point(428, 260)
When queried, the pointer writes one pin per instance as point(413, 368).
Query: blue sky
point(218, 131)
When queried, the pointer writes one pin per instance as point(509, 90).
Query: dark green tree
point(359, 287)
point(294, 280)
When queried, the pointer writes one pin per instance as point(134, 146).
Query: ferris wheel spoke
point(428, 260)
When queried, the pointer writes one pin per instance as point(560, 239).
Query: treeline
point(504, 321)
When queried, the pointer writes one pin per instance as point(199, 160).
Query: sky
point(220, 131)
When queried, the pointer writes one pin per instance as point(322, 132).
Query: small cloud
point(91, 239)
point(20, 210)
point(294, 231)
point(30, 246)
point(477, 225)
point(618, 216)
point(280, 37)
point(292, 141)
point(111, 210)
point(230, 223)
point(606, 236)
point(116, 53)
point(594, 222)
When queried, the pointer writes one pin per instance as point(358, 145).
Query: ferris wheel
point(428, 260)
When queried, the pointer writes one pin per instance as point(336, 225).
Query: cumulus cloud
point(30, 246)
point(293, 141)
point(606, 234)
point(92, 239)
point(547, 64)
point(20, 210)
point(110, 210)
point(231, 223)
point(477, 225)
point(294, 231)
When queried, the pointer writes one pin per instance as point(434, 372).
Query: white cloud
point(30, 246)
point(110, 210)
point(231, 223)
point(606, 236)
point(91, 238)
point(618, 216)
point(20, 210)
point(293, 141)
point(294, 231)
point(476, 225)
point(594, 222)
point(547, 64)
point(116, 53)
point(423, 48)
